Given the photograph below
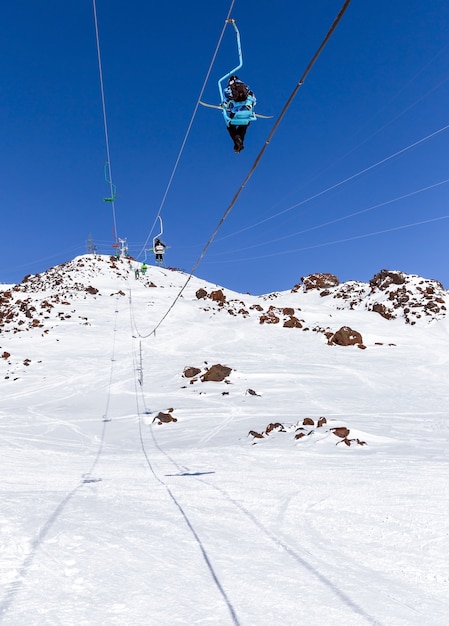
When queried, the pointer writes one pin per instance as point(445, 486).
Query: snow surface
point(109, 518)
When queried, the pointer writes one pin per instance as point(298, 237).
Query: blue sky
point(354, 180)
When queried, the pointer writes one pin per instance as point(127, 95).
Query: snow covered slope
point(306, 484)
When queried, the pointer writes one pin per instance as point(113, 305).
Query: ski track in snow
point(127, 522)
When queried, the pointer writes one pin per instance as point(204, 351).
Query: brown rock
point(269, 318)
point(201, 293)
point(319, 281)
point(385, 278)
point(190, 372)
point(341, 431)
point(274, 426)
point(380, 308)
point(216, 373)
point(293, 322)
point(346, 337)
point(218, 296)
point(164, 418)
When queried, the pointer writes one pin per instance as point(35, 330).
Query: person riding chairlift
point(159, 249)
point(239, 111)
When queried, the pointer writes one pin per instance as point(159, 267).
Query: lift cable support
point(227, 75)
point(253, 167)
point(240, 63)
point(175, 167)
point(107, 176)
point(160, 233)
point(107, 168)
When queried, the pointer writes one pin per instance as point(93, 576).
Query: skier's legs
point(238, 135)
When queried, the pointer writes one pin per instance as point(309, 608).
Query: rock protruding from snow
point(346, 336)
point(216, 373)
point(164, 418)
point(390, 293)
point(307, 430)
point(317, 281)
point(190, 371)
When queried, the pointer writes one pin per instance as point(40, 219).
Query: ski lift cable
point(335, 220)
point(390, 121)
point(432, 220)
point(346, 179)
point(178, 158)
point(253, 167)
point(341, 182)
point(108, 168)
point(161, 226)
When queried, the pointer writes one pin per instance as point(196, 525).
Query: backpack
point(239, 91)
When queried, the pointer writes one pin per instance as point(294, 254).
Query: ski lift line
point(277, 123)
point(384, 126)
point(240, 63)
point(77, 248)
point(254, 166)
point(342, 182)
point(414, 103)
point(189, 127)
point(111, 184)
point(338, 159)
point(339, 219)
point(336, 241)
point(161, 231)
point(108, 168)
point(393, 119)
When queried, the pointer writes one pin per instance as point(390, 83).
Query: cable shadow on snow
point(189, 524)
point(299, 559)
point(16, 585)
point(190, 474)
point(184, 471)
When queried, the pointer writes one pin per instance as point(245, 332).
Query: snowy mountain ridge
point(391, 294)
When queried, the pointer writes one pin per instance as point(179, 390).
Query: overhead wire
point(353, 238)
point(254, 166)
point(340, 183)
point(274, 215)
point(108, 166)
point(178, 158)
point(411, 81)
point(337, 219)
point(108, 176)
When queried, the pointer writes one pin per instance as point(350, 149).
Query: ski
point(220, 108)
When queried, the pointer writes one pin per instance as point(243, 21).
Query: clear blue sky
point(380, 86)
